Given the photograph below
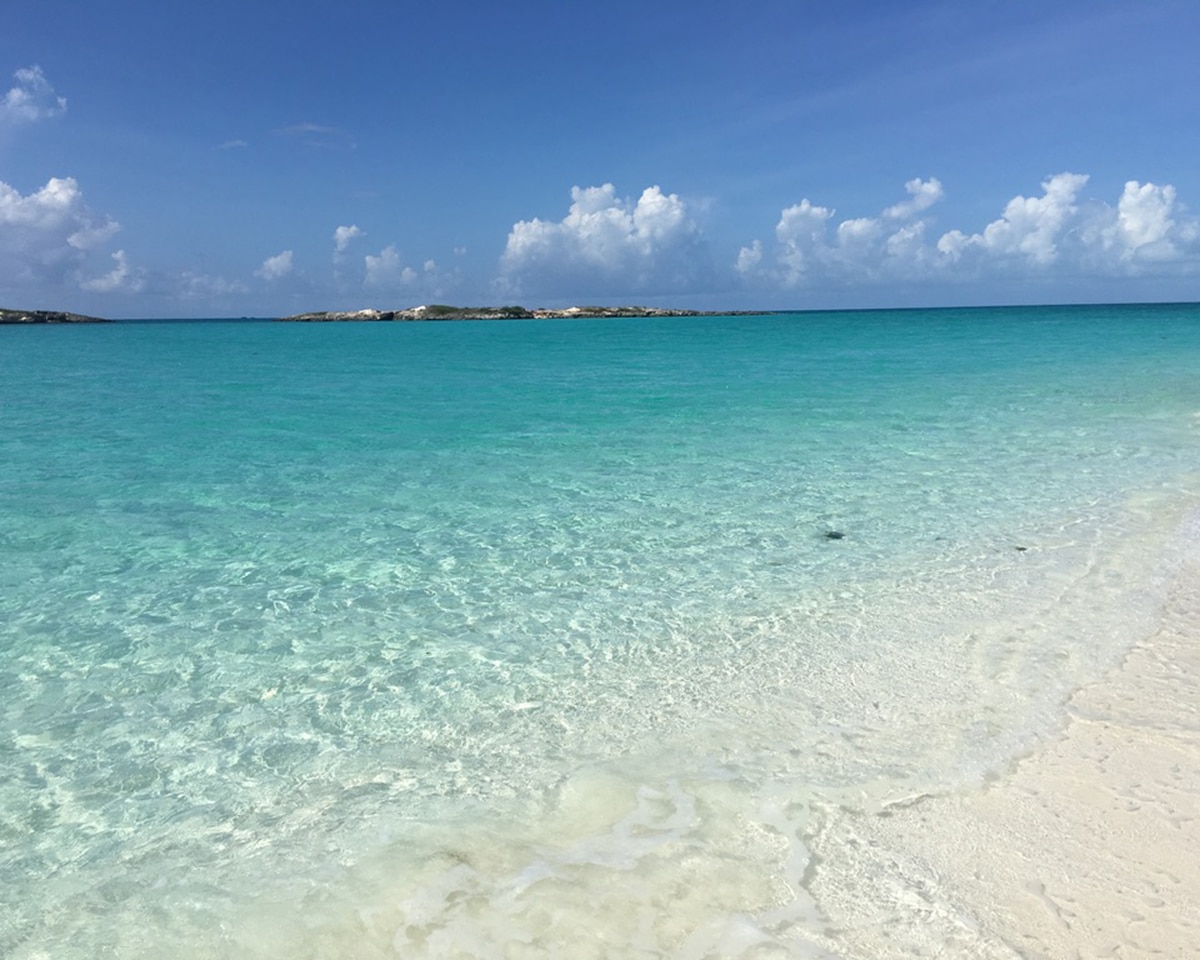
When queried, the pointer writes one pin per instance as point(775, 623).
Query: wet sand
point(1089, 847)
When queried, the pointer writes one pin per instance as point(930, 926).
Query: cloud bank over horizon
point(609, 248)
point(1059, 233)
point(613, 247)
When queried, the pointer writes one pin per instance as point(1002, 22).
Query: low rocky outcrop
point(45, 316)
point(439, 311)
point(435, 311)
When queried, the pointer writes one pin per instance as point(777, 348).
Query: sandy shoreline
point(1090, 847)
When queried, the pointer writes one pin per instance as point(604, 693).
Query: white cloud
point(45, 236)
point(203, 286)
point(32, 98)
point(749, 258)
point(607, 245)
point(803, 225)
point(953, 244)
point(276, 267)
point(858, 239)
point(1144, 215)
point(857, 249)
point(907, 243)
point(387, 272)
point(122, 277)
point(52, 204)
point(801, 237)
point(923, 193)
point(388, 269)
point(342, 237)
point(93, 234)
point(1146, 227)
point(1043, 236)
point(1030, 226)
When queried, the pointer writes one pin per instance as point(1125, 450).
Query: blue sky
point(232, 158)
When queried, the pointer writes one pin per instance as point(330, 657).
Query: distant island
point(45, 316)
point(441, 311)
point(435, 311)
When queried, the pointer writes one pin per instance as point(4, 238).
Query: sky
point(227, 158)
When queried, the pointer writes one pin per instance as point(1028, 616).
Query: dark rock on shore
point(45, 316)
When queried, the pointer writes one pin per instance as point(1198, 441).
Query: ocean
point(586, 638)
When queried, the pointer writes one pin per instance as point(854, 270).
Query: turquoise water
point(358, 640)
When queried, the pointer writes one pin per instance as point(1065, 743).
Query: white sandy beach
point(1091, 846)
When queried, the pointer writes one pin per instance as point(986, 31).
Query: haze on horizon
point(226, 159)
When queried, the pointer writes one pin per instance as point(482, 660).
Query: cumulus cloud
point(33, 98)
point(809, 247)
point(58, 202)
point(388, 269)
point(122, 277)
point(93, 234)
point(812, 246)
point(276, 267)
point(1146, 226)
point(342, 237)
point(1058, 230)
point(923, 194)
point(749, 258)
point(607, 245)
point(801, 237)
point(1030, 226)
point(46, 235)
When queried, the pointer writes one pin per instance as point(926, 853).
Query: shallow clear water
point(457, 639)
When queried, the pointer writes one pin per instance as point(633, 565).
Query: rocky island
point(440, 311)
point(45, 316)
